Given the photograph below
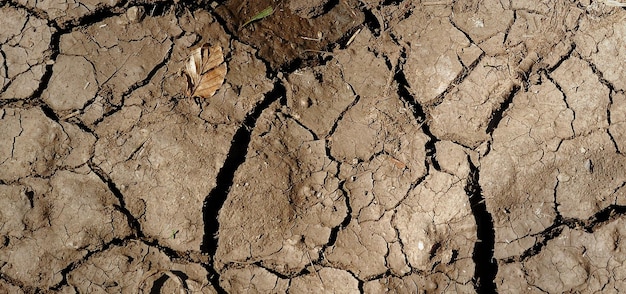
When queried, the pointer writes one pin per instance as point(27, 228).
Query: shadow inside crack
point(486, 266)
point(215, 200)
point(236, 156)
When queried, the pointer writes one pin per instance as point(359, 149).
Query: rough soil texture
point(356, 146)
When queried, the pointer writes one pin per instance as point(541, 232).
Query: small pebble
point(135, 14)
point(589, 165)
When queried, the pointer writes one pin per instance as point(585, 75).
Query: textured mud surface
point(356, 146)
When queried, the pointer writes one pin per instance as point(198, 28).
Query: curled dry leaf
point(205, 71)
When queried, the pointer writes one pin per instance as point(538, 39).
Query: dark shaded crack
point(486, 266)
point(604, 216)
point(590, 225)
point(507, 31)
point(457, 80)
point(55, 41)
point(15, 139)
point(612, 91)
point(332, 239)
point(117, 107)
point(403, 91)
point(498, 114)
point(613, 141)
point(35, 99)
point(299, 123)
point(5, 68)
point(543, 237)
point(420, 117)
point(599, 75)
point(97, 15)
point(558, 87)
point(460, 30)
point(333, 128)
point(155, 8)
point(23, 287)
point(130, 218)
point(123, 242)
point(49, 113)
point(73, 265)
point(371, 22)
point(566, 56)
point(31, 11)
point(279, 274)
point(236, 156)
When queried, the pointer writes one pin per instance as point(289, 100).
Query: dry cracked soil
point(356, 146)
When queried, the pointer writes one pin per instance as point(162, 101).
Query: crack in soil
point(130, 218)
point(332, 238)
point(498, 113)
point(236, 156)
point(594, 222)
point(486, 266)
point(73, 265)
point(215, 200)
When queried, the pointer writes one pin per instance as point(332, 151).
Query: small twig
point(317, 51)
point(73, 114)
point(353, 37)
point(310, 39)
point(436, 3)
point(311, 263)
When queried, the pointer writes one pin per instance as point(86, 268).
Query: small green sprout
point(174, 232)
point(261, 15)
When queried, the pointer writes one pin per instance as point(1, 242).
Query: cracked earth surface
point(356, 146)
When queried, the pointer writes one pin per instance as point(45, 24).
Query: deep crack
point(486, 266)
point(236, 156)
point(214, 202)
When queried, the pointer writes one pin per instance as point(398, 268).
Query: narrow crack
point(566, 56)
point(75, 264)
point(55, 42)
point(15, 138)
point(131, 219)
point(590, 225)
point(543, 237)
point(558, 87)
point(5, 68)
point(150, 74)
point(333, 128)
point(334, 232)
point(117, 107)
point(498, 114)
point(123, 242)
point(421, 118)
point(486, 266)
point(15, 282)
point(95, 16)
point(465, 72)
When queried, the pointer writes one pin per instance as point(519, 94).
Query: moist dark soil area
point(355, 146)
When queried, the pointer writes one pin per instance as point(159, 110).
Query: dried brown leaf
point(205, 71)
